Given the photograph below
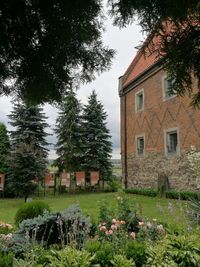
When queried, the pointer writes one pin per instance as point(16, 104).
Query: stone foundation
point(143, 172)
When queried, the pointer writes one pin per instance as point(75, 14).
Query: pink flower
point(114, 227)
point(122, 222)
point(103, 228)
point(133, 235)
point(110, 232)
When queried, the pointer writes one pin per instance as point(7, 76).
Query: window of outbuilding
point(140, 145)
point(139, 100)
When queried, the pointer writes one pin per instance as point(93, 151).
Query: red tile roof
point(142, 61)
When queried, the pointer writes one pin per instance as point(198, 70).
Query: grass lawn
point(165, 210)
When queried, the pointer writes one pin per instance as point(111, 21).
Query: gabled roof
point(142, 61)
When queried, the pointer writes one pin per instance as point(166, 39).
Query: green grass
point(165, 210)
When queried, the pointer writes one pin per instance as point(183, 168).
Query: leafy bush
point(66, 227)
point(185, 250)
point(136, 251)
point(151, 230)
point(30, 210)
point(6, 259)
point(144, 192)
point(122, 261)
point(103, 252)
point(175, 251)
point(194, 211)
point(125, 212)
point(70, 257)
point(183, 195)
point(114, 185)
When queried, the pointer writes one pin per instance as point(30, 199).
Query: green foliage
point(113, 185)
point(30, 210)
point(194, 210)
point(140, 191)
point(69, 146)
point(105, 213)
point(183, 195)
point(28, 155)
point(70, 257)
point(175, 251)
point(177, 39)
point(185, 250)
point(6, 259)
point(103, 252)
point(67, 227)
point(122, 261)
point(169, 194)
point(52, 47)
point(97, 144)
point(4, 148)
point(136, 251)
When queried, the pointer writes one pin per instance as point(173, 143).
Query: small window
point(140, 145)
point(167, 85)
point(139, 100)
point(172, 142)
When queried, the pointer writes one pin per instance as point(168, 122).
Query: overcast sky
point(124, 42)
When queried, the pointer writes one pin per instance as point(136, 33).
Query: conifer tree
point(97, 144)
point(69, 133)
point(28, 153)
point(4, 148)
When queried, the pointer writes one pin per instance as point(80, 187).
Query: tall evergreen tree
point(97, 144)
point(28, 153)
point(4, 148)
point(69, 133)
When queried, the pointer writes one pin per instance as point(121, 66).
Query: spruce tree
point(4, 148)
point(97, 144)
point(28, 153)
point(69, 133)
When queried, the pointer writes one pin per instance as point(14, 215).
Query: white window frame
point(165, 97)
point(136, 145)
point(166, 132)
point(136, 100)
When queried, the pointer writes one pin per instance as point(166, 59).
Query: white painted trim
point(136, 94)
point(136, 149)
point(166, 131)
point(163, 90)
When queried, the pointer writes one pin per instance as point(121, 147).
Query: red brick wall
point(157, 116)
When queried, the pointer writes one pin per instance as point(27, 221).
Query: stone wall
point(143, 173)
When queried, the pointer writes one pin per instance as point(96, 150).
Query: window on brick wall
point(167, 84)
point(139, 100)
point(140, 145)
point(172, 142)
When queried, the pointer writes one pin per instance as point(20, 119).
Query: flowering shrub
point(150, 230)
point(194, 160)
point(125, 212)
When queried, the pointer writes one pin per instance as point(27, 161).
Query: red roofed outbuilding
point(157, 129)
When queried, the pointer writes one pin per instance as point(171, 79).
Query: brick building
point(157, 129)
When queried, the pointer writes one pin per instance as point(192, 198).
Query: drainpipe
point(120, 89)
point(125, 146)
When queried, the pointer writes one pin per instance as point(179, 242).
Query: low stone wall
point(143, 172)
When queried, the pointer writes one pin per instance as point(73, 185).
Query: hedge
point(184, 195)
